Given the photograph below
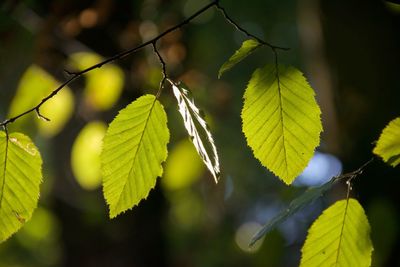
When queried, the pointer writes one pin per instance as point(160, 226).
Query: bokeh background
point(348, 49)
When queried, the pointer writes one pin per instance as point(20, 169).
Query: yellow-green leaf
point(20, 177)
point(248, 47)
point(35, 84)
point(104, 85)
point(197, 128)
point(281, 120)
point(85, 155)
point(388, 146)
point(339, 237)
point(134, 147)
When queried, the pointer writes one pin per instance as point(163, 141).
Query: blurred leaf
point(103, 85)
point(197, 129)
point(134, 147)
point(85, 156)
point(388, 146)
point(281, 120)
point(183, 166)
point(248, 47)
point(34, 85)
point(297, 204)
point(20, 177)
point(339, 237)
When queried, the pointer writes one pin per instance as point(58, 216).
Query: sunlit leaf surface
point(134, 147)
point(281, 120)
point(197, 129)
point(20, 177)
point(248, 47)
point(339, 237)
point(85, 156)
point(388, 146)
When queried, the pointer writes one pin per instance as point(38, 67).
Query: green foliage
point(197, 129)
point(339, 237)
point(85, 155)
point(20, 177)
point(248, 47)
point(297, 204)
point(388, 145)
point(134, 147)
point(281, 120)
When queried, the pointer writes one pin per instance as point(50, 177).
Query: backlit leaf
point(134, 147)
point(297, 204)
point(248, 47)
point(281, 120)
point(339, 237)
point(20, 177)
point(85, 155)
point(388, 146)
point(197, 129)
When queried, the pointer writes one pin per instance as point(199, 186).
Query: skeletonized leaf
point(20, 177)
point(281, 120)
point(197, 128)
point(297, 204)
point(388, 146)
point(248, 47)
point(339, 237)
point(134, 147)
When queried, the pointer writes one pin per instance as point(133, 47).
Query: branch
point(75, 75)
point(239, 28)
point(164, 69)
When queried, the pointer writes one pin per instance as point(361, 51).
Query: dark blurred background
point(348, 49)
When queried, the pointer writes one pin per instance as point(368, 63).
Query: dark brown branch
point(164, 69)
point(241, 29)
point(75, 75)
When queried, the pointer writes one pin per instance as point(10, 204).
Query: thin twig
point(241, 29)
point(75, 75)
point(164, 69)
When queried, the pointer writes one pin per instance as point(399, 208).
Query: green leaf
point(134, 147)
point(248, 47)
point(20, 177)
point(339, 237)
point(197, 129)
point(281, 120)
point(297, 204)
point(388, 146)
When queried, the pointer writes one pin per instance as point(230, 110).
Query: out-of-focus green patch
point(35, 84)
point(183, 166)
point(85, 157)
point(186, 210)
point(103, 85)
point(393, 7)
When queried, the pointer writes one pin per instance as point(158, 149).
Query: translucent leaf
point(104, 85)
point(134, 147)
point(85, 155)
point(34, 85)
point(388, 146)
point(339, 237)
point(20, 177)
point(183, 167)
point(296, 205)
point(197, 129)
point(248, 47)
point(281, 120)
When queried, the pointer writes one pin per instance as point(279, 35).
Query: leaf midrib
point(136, 152)
point(4, 171)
